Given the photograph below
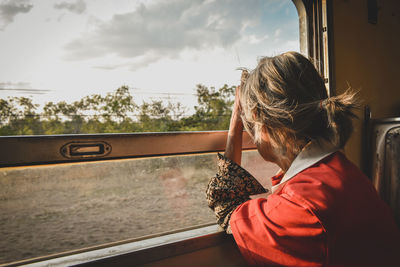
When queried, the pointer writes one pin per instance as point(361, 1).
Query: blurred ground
point(56, 208)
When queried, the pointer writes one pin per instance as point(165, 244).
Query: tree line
point(116, 112)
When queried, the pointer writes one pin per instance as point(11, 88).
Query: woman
point(322, 210)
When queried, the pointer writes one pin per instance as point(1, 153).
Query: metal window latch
point(77, 150)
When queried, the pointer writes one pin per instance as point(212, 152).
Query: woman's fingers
point(243, 78)
point(233, 148)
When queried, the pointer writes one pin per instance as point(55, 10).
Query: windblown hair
point(285, 96)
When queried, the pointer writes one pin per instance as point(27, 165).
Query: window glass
point(100, 66)
point(57, 208)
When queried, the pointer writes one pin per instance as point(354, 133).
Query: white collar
point(311, 154)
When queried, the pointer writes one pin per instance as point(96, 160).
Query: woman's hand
point(233, 148)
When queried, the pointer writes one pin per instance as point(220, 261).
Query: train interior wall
point(366, 57)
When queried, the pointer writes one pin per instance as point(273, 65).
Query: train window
point(57, 208)
point(72, 67)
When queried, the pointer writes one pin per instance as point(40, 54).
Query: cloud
point(277, 33)
point(165, 29)
point(137, 63)
point(27, 91)
point(77, 7)
point(9, 9)
point(12, 85)
point(21, 88)
point(255, 39)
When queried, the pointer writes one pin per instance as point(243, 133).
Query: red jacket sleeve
point(278, 231)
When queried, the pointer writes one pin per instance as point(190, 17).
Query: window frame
point(316, 36)
point(46, 149)
point(315, 20)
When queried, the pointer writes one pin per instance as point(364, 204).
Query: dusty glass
point(57, 208)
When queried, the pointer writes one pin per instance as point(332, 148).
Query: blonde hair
point(285, 96)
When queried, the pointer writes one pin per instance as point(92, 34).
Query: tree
point(116, 112)
point(213, 110)
point(19, 117)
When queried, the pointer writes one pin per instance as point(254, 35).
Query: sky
point(64, 50)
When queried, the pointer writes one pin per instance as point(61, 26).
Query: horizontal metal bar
point(46, 149)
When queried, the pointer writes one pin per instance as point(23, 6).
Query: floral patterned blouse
point(230, 187)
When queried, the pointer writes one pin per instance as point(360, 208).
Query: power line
point(110, 115)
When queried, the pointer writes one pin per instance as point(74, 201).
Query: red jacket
point(327, 214)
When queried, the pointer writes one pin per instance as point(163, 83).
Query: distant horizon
point(65, 50)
